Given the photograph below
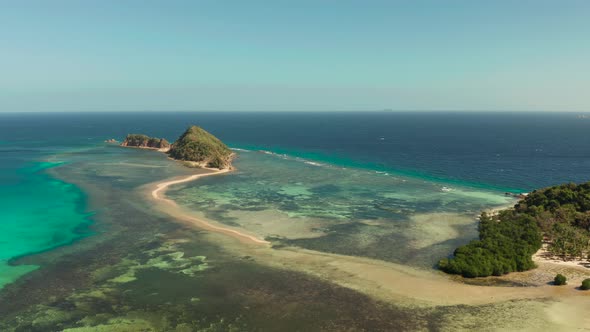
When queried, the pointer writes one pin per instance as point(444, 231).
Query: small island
point(550, 222)
point(146, 142)
point(195, 148)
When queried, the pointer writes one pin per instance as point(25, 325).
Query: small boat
point(446, 189)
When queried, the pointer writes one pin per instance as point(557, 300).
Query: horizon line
point(302, 111)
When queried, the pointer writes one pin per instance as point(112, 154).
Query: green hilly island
point(199, 146)
point(196, 147)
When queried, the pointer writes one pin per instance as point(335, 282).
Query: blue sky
point(294, 55)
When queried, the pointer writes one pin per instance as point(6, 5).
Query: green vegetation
point(563, 214)
point(560, 280)
point(197, 145)
point(507, 240)
point(506, 243)
point(196, 148)
point(143, 141)
point(585, 284)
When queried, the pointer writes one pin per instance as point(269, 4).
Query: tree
point(560, 280)
point(568, 241)
point(585, 284)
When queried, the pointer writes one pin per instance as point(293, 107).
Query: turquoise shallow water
point(382, 176)
point(39, 213)
point(353, 211)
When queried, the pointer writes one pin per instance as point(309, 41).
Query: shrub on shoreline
point(585, 284)
point(560, 280)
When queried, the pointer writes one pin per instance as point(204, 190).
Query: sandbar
point(158, 194)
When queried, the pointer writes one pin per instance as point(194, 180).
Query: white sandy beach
point(158, 195)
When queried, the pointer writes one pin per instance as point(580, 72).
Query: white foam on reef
point(241, 150)
point(287, 157)
point(284, 156)
point(490, 197)
point(313, 163)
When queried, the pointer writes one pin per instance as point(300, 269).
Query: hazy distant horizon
point(295, 111)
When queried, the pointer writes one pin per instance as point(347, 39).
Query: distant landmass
point(196, 147)
point(144, 141)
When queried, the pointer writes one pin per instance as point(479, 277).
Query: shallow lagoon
point(350, 211)
point(39, 212)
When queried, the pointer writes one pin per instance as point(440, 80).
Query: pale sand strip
point(158, 194)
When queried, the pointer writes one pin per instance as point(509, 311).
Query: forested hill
point(508, 240)
point(199, 146)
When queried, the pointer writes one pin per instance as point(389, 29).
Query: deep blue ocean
point(514, 152)
point(519, 151)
